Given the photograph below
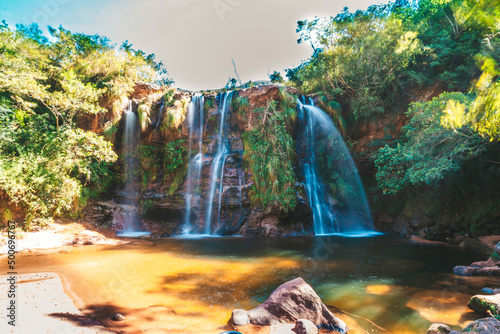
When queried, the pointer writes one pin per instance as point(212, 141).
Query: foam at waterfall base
point(353, 234)
point(134, 234)
point(196, 236)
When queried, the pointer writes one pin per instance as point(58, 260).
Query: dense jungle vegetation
point(48, 166)
point(365, 66)
point(446, 160)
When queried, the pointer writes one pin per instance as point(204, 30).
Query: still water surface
point(192, 285)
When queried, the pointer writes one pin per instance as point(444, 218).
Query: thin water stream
point(192, 285)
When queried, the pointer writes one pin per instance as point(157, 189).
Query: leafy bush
point(427, 151)
point(169, 161)
point(358, 57)
point(47, 165)
point(269, 153)
point(48, 171)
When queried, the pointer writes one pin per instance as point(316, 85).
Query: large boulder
point(290, 302)
point(403, 225)
point(420, 221)
point(483, 326)
point(485, 304)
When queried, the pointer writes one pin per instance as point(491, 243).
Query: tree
point(483, 113)
point(427, 151)
point(276, 77)
point(358, 57)
point(48, 166)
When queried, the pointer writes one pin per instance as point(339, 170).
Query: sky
point(196, 39)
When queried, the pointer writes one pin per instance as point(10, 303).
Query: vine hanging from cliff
point(269, 152)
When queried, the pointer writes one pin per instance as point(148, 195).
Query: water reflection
point(192, 285)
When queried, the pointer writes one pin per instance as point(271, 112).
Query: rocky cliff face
point(164, 127)
point(164, 131)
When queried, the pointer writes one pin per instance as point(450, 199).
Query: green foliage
point(149, 157)
point(359, 57)
point(231, 84)
point(51, 171)
point(47, 165)
point(483, 113)
point(288, 107)
point(145, 205)
point(175, 115)
point(269, 153)
point(144, 112)
point(175, 156)
point(364, 58)
point(241, 105)
point(427, 151)
point(276, 77)
point(168, 98)
point(159, 164)
point(209, 104)
point(175, 163)
point(110, 129)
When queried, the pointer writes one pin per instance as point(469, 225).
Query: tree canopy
point(47, 165)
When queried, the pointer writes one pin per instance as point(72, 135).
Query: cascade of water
point(323, 152)
point(193, 181)
point(130, 141)
point(159, 113)
point(217, 178)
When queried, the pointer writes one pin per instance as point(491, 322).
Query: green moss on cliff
point(288, 106)
point(269, 152)
point(164, 165)
point(175, 115)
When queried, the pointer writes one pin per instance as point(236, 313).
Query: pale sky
point(196, 39)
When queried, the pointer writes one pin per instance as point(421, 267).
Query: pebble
point(118, 317)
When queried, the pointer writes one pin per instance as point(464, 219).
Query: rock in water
point(304, 326)
point(476, 271)
point(487, 291)
point(118, 317)
point(485, 304)
point(483, 326)
point(290, 302)
point(440, 329)
point(239, 318)
point(497, 248)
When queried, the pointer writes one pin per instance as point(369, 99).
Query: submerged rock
point(440, 329)
point(490, 291)
point(289, 303)
point(483, 326)
point(118, 317)
point(487, 305)
point(476, 271)
point(497, 248)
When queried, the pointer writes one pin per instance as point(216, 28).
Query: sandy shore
point(57, 235)
point(43, 303)
point(43, 307)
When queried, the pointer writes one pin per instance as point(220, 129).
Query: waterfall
point(130, 221)
point(159, 113)
point(193, 181)
point(332, 182)
point(217, 177)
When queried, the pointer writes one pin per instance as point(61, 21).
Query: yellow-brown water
point(191, 286)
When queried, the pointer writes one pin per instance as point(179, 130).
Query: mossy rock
point(487, 305)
